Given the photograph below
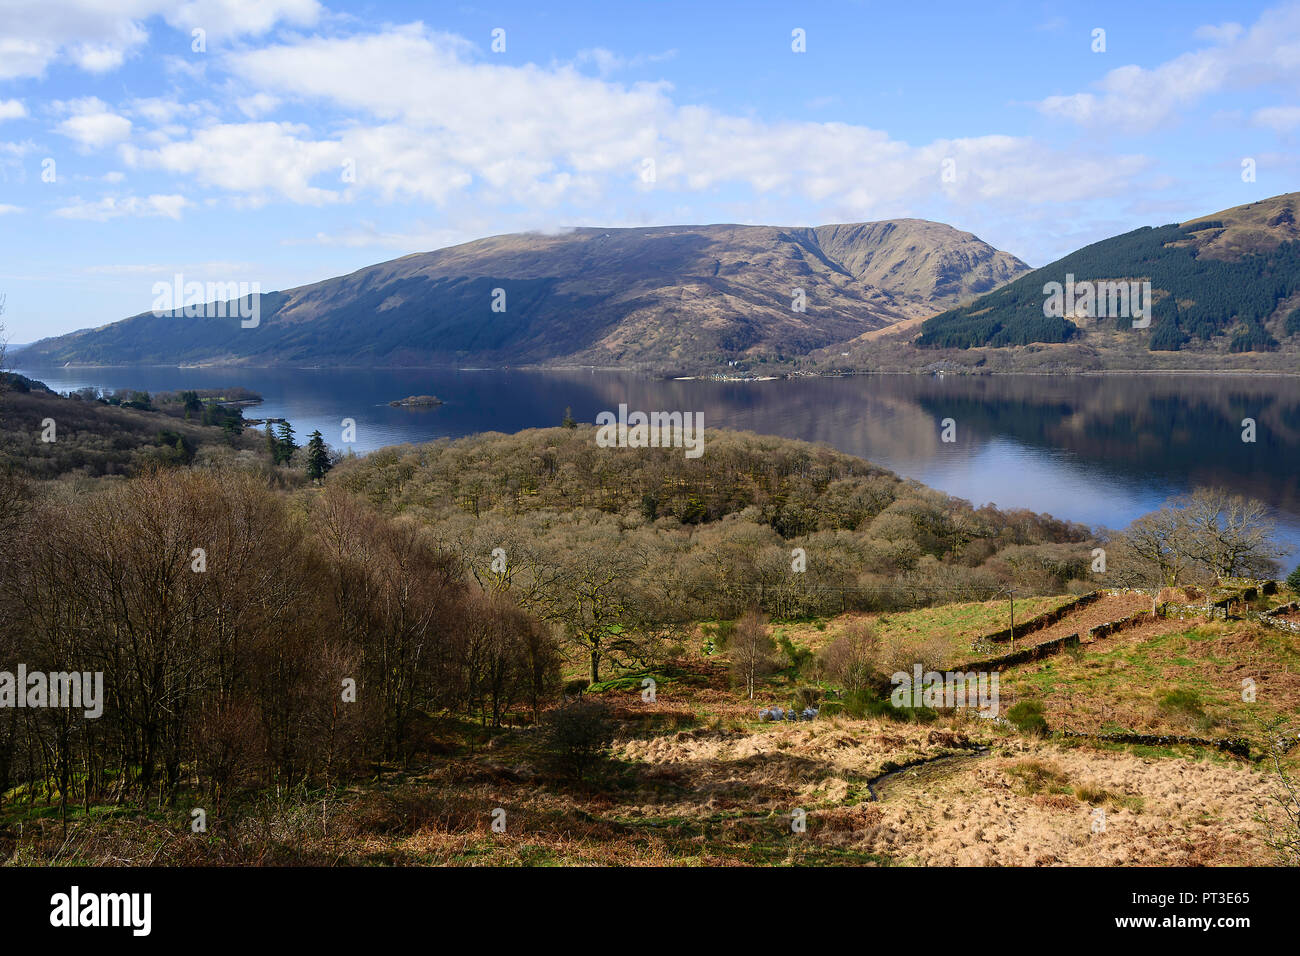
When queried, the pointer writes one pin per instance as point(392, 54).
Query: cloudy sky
point(285, 141)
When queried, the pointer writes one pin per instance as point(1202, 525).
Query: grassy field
point(957, 628)
point(1187, 681)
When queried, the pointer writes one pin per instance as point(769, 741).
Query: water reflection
point(1098, 449)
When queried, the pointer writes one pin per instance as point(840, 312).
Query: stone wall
point(1046, 649)
point(1046, 619)
point(1283, 609)
point(1232, 745)
point(1049, 648)
point(1273, 618)
point(1123, 624)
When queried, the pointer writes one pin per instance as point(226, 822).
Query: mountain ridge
point(1228, 281)
point(649, 296)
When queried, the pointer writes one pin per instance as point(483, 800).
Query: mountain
point(1227, 282)
point(668, 296)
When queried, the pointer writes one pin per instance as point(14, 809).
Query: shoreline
point(670, 376)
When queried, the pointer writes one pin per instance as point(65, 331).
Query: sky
point(286, 141)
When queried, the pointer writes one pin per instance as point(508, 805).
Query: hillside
point(681, 538)
point(671, 296)
point(117, 434)
point(1227, 282)
point(473, 585)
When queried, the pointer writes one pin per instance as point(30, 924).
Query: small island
point(417, 401)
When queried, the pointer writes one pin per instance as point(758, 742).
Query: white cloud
point(161, 110)
point(6, 210)
point(607, 62)
point(1220, 33)
point(370, 235)
point(92, 124)
point(257, 105)
point(1280, 119)
point(99, 36)
point(12, 109)
point(20, 57)
point(112, 207)
point(137, 269)
point(101, 57)
point(527, 144)
point(240, 17)
point(250, 158)
point(17, 150)
point(544, 136)
point(1134, 98)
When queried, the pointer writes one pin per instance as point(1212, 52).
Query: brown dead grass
point(1112, 607)
point(1162, 812)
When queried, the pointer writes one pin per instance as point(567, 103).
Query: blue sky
point(307, 139)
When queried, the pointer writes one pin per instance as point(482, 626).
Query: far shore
point(678, 375)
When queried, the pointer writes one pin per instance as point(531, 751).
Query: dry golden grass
point(1157, 812)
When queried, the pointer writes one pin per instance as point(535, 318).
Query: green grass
point(959, 625)
point(1173, 677)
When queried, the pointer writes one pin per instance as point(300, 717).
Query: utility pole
point(1011, 601)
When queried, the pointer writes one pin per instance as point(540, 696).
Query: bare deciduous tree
point(1152, 553)
point(1207, 535)
point(241, 642)
point(752, 650)
point(1230, 535)
point(853, 658)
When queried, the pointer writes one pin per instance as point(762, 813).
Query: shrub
point(798, 656)
point(628, 682)
point(914, 715)
point(1090, 793)
point(1027, 717)
point(578, 734)
point(1281, 821)
point(902, 652)
point(852, 658)
point(866, 703)
point(1037, 776)
point(805, 697)
point(863, 703)
point(1184, 702)
point(575, 688)
point(724, 631)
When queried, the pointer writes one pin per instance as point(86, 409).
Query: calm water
point(1100, 450)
